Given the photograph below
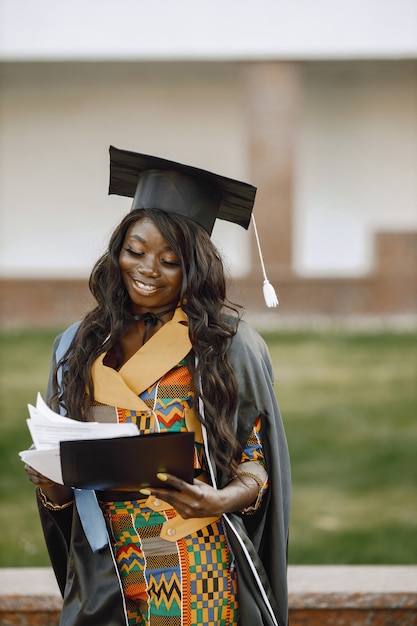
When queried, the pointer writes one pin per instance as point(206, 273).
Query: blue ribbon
point(92, 518)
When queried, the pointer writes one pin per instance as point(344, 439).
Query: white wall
point(207, 29)
point(356, 164)
point(57, 123)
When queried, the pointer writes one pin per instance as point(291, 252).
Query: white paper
point(46, 462)
point(48, 428)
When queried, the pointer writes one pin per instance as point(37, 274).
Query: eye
point(134, 252)
point(169, 262)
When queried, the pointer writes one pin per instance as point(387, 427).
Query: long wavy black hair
point(203, 299)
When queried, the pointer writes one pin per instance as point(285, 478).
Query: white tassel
point(270, 296)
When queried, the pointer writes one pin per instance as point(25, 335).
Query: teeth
point(146, 287)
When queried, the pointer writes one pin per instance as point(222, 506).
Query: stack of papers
point(48, 429)
point(104, 456)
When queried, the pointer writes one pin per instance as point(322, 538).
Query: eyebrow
point(142, 240)
point(138, 237)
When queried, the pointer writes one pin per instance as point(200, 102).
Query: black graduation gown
point(89, 581)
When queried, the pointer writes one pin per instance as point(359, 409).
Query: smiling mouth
point(145, 287)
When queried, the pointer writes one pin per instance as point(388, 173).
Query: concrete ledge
point(319, 596)
point(29, 597)
point(353, 595)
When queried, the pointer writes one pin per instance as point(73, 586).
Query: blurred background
point(315, 103)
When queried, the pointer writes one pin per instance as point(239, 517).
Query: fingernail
point(162, 476)
point(146, 492)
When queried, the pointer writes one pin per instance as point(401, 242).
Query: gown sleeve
point(252, 463)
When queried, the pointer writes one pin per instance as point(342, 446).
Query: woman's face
point(151, 271)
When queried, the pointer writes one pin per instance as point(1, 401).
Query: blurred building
point(315, 103)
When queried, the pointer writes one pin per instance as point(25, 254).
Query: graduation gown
point(89, 581)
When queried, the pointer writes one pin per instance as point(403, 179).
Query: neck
point(150, 319)
point(151, 314)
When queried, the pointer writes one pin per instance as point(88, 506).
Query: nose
point(148, 266)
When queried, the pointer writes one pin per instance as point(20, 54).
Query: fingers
point(173, 481)
point(36, 478)
point(195, 500)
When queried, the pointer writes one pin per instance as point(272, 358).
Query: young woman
point(161, 350)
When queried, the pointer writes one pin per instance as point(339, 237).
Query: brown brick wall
point(318, 596)
point(391, 289)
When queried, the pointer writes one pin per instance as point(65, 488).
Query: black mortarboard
point(202, 196)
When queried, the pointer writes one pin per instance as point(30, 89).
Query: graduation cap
point(200, 195)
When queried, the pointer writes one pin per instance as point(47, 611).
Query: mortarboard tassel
point(270, 296)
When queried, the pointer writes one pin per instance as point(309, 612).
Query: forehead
point(145, 229)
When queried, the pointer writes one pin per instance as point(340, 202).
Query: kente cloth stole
point(157, 356)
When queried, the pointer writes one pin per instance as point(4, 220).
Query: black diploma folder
point(127, 463)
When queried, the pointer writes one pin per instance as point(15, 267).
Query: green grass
point(24, 367)
point(349, 403)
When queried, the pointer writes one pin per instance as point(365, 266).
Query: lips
point(144, 289)
point(144, 286)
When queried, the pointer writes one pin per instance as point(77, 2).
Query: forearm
point(58, 494)
point(52, 492)
point(239, 494)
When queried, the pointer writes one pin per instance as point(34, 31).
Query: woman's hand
point(57, 494)
point(38, 479)
point(202, 500)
